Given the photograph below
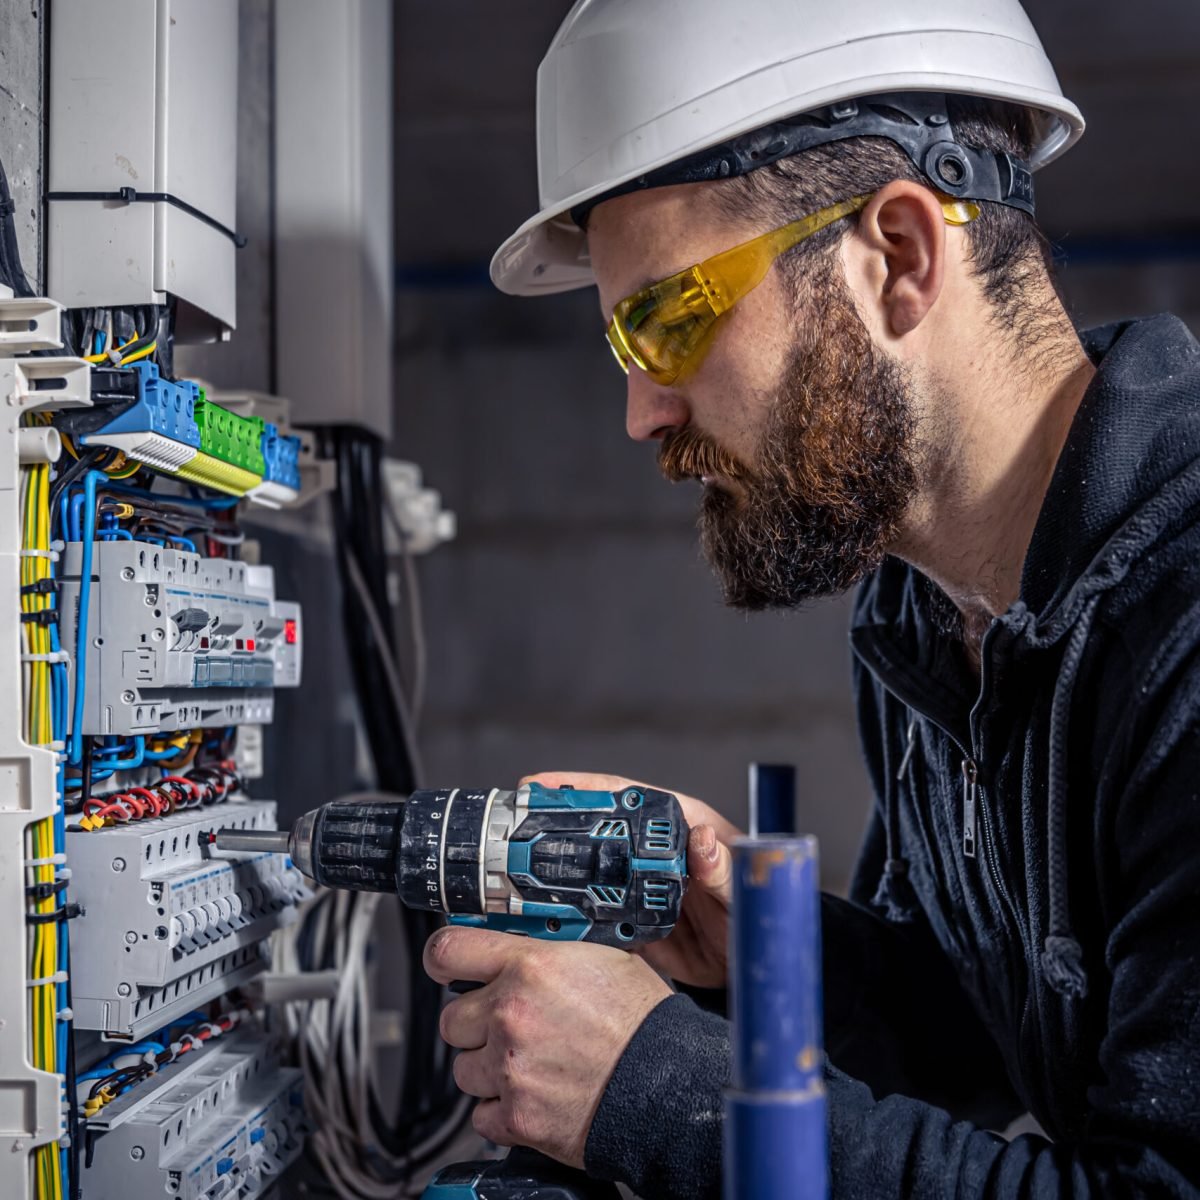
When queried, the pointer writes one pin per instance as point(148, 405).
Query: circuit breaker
point(177, 640)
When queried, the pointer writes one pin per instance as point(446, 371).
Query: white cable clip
point(57, 977)
point(64, 873)
point(51, 555)
point(54, 860)
point(58, 656)
point(65, 1014)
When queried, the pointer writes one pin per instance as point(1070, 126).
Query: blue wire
point(137, 757)
point(88, 537)
point(216, 502)
point(160, 755)
point(184, 541)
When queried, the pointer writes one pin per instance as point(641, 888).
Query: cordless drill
point(556, 863)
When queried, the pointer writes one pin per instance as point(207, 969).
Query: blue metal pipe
point(772, 798)
point(775, 1133)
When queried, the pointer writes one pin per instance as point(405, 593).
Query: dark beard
point(835, 471)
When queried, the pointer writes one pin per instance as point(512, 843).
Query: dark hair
point(1010, 254)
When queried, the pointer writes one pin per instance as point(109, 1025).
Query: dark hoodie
point(1023, 932)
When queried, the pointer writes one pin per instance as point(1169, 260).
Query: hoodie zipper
point(970, 798)
point(972, 802)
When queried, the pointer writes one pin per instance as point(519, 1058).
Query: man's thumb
point(710, 864)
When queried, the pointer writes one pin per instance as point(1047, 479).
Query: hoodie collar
point(1136, 430)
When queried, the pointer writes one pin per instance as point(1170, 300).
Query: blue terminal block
point(281, 454)
point(776, 1144)
point(164, 407)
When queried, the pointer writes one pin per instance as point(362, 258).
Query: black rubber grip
point(356, 846)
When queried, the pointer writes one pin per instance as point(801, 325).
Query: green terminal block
point(232, 439)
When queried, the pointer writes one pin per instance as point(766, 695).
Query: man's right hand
point(696, 951)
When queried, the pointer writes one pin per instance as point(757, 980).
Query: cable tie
point(57, 977)
point(51, 554)
point(43, 891)
point(68, 912)
point(43, 587)
point(65, 1014)
point(65, 873)
point(57, 656)
point(55, 860)
point(44, 616)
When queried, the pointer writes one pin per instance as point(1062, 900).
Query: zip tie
point(43, 616)
point(60, 915)
point(57, 977)
point(55, 860)
point(58, 656)
point(65, 1014)
point(43, 587)
point(51, 555)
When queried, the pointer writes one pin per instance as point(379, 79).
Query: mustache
point(688, 453)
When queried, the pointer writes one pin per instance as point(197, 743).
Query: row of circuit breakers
point(181, 648)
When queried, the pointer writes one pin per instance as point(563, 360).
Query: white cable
point(336, 1047)
point(416, 619)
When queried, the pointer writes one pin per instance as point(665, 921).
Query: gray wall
point(22, 105)
point(572, 623)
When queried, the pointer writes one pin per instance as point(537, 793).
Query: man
point(872, 376)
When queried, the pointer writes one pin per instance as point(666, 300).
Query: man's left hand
point(540, 1041)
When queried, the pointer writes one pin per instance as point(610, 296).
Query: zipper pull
point(970, 796)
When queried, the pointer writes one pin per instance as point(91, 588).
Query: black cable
point(11, 271)
point(428, 1097)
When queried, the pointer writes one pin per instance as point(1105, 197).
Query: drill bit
point(261, 840)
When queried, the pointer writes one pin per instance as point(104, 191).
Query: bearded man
point(812, 234)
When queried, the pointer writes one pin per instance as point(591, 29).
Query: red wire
point(153, 801)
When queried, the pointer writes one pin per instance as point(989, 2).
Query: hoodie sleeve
point(658, 1126)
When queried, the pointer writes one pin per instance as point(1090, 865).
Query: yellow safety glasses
point(665, 327)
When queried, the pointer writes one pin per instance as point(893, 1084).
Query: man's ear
point(896, 261)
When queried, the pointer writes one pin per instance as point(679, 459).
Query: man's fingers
point(582, 780)
point(476, 955)
point(473, 1075)
point(710, 864)
point(489, 1122)
point(463, 1022)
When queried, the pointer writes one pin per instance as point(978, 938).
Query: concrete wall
point(22, 109)
point(572, 624)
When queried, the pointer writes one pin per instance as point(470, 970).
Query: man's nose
point(651, 410)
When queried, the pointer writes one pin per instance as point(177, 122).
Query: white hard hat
point(629, 87)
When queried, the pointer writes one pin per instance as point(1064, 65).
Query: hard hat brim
point(549, 254)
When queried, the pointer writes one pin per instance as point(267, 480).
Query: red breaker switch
point(291, 635)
